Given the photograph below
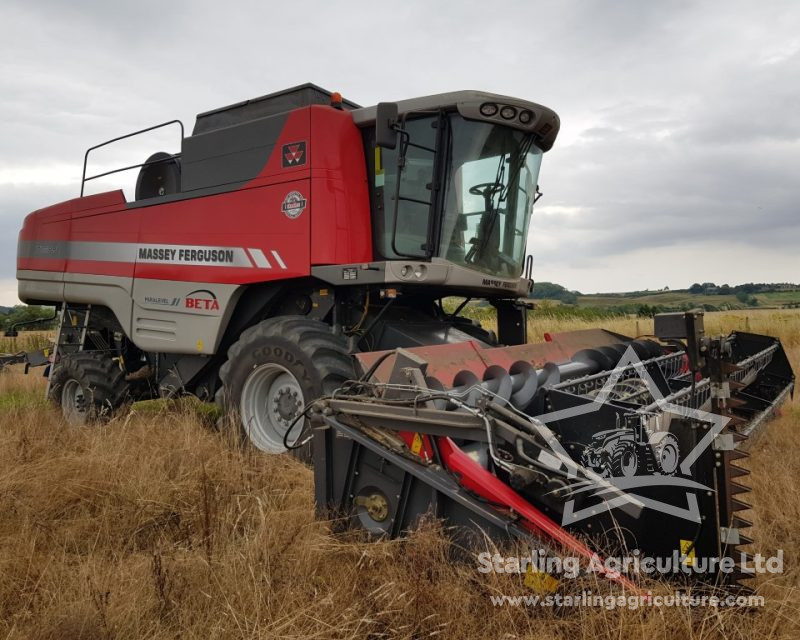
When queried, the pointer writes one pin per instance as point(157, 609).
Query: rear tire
point(667, 452)
point(88, 386)
point(273, 371)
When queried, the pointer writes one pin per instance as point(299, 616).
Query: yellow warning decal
point(416, 444)
point(379, 174)
point(539, 581)
point(199, 345)
point(687, 552)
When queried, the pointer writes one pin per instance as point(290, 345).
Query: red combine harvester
point(293, 264)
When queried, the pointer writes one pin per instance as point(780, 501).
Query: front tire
point(624, 460)
point(88, 386)
point(273, 371)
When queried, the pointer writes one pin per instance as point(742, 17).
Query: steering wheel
point(486, 189)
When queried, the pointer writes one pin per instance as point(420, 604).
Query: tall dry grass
point(782, 323)
point(155, 526)
point(26, 341)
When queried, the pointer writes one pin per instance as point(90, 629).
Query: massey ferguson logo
point(488, 282)
point(293, 154)
point(202, 300)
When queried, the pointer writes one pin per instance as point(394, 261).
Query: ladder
point(70, 335)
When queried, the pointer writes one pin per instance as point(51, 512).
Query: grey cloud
point(680, 119)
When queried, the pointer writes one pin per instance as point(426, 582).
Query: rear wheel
point(88, 386)
point(667, 452)
point(273, 371)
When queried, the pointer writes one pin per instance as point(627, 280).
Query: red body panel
point(341, 230)
point(332, 228)
point(446, 361)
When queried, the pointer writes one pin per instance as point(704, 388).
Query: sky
point(677, 162)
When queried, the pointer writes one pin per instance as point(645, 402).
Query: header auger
point(293, 260)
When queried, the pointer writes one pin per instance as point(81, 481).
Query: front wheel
point(273, 371)
point(624, 460)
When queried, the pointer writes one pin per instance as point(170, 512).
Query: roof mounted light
point(488, 109)
point(525, 117)
point(508, 113)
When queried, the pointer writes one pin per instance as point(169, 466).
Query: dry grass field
point(155, 526)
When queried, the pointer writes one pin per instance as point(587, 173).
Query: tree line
point(10, 316)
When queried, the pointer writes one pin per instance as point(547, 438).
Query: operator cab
point(454, 178)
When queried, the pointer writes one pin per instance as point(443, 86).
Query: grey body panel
point(230, 146)
point(154, 314)
point(268, 105)
point(157, 315)
point(545, 122)
point(113, 292)
point(437, 272)
point(40, 286)
point(164, 319)
point(229, 156)
point(151, 253)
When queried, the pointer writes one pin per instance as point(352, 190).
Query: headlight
point(488, 109)
point(508, 113)
point(525, 117)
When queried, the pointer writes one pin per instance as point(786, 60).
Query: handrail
point(84, 179)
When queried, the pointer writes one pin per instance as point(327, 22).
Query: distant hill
point(552, 291)
point(708, 296)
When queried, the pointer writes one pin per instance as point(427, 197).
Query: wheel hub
point(271, 401)
point(285, 404)
point(73, 402)
point(376, 505)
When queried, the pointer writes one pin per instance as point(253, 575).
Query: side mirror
point(385, 120)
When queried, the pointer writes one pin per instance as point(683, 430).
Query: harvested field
point(156, 526)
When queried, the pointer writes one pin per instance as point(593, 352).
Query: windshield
point(492, 173)
point(480, 218)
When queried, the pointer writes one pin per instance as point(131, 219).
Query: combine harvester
point(298, 230)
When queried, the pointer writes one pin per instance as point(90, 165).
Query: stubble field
point(157, 526)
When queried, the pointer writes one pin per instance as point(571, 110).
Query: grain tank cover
point(271, 104)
